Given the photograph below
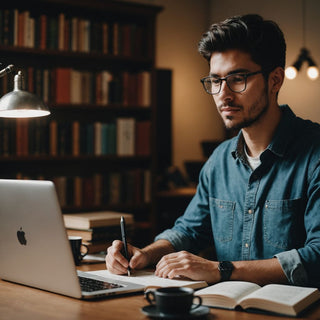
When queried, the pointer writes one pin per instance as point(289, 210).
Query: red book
point(67, 30)
point(75, 138)
point(21, 137)
point(53, 140)
point(143, 136)
point(88, 191)
point(43, 32)
point(21, 20)
point(61, 31)
point(126, 40)
point(62, 84)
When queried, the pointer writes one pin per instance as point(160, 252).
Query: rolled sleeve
point(176, 238)
point(293, 268)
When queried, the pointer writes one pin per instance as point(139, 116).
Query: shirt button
point(250, 211)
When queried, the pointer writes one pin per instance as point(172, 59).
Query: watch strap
point(225, 268)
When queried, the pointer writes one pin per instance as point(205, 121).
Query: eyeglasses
point(236, 82)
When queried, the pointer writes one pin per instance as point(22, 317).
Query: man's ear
point(276, 78)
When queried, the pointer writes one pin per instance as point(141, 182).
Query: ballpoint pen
point(124, 240)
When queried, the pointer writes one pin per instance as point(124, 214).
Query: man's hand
point(118, 264)
point(188, 265)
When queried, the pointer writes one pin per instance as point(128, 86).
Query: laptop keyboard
point(90, 285)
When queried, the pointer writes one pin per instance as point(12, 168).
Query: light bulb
point(291, 72)
point(313, 72)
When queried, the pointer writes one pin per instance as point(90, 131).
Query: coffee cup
point(173, 300)
point(76, 244)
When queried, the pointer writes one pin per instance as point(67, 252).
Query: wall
point(179, 28)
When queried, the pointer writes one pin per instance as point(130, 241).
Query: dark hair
point(262, 39)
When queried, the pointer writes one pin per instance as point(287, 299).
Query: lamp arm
point(6, 70)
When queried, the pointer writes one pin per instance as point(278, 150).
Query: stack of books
point(98, 229)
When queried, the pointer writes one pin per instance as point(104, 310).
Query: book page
point(281, 299)
point(281, 294)
point(232, 289)
point(150, 280)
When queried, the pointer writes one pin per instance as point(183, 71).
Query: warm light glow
point(291, 72)
point(23, 113)
point(313, 72)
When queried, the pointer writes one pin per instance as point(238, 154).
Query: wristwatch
point(225, 268)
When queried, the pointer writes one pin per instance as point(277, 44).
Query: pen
point(124, 240)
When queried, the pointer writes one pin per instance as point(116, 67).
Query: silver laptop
point(34, 247)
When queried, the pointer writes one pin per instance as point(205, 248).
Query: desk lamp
point(19, 103)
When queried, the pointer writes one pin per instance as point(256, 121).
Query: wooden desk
point(20, 302)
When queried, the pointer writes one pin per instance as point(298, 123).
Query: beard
point(255, 112)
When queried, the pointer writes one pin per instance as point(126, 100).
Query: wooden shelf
point(117, 17)
point(52, 58)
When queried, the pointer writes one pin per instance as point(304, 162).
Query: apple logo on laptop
point(21, 237)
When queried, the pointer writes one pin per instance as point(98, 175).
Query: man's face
point(243, 109)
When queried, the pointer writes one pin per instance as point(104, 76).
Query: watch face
point(226, 265)
point(225, 269)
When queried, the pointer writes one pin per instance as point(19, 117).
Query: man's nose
point(225, 90)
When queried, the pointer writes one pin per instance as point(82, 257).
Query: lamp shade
point(21, 104)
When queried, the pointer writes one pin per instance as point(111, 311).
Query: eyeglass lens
point(236, 83)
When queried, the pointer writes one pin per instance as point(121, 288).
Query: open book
point(274, 298)
point(150, 280)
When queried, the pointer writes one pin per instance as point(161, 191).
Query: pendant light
point(304, 56)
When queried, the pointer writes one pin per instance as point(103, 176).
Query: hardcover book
point(125, 136)
point(88, 220)
point(273, 298)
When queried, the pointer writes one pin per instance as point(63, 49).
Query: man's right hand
point(118, 264)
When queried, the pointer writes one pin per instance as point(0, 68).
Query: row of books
point(98, 229)
point(70, 86)
point(34, 137)
point(61, 31)
point(127, 188)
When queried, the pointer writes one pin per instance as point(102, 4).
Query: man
point(258, 196)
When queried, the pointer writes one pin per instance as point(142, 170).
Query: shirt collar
point(281, 138)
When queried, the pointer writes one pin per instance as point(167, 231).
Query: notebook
point(34, 247)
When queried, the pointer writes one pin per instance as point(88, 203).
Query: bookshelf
point(93, 63)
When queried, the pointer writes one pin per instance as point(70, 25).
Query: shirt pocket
point(222, 219)
point(280, 222)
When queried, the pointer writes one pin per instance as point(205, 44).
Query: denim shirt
point(272, 211)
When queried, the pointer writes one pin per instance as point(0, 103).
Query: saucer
point(152, 311)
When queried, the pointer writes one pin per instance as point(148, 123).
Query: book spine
point(60, 32)
point(125, 136)
point(113, 188)
point(70, 86)
point(143, 138)
point(62, 85)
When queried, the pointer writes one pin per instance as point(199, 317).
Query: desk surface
point(20, 302)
